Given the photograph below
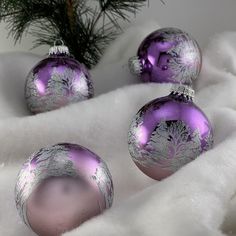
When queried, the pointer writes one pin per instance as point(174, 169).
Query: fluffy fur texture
point(196, 201)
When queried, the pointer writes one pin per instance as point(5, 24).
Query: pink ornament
point(61, 187)
point(169, 132)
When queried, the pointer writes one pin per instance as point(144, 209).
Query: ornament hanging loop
point(59, 48)
point(59, 42)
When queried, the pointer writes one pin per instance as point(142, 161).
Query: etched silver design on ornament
point(134, 148)
point(209, 141)
point(184, 50)
point(171, 145)
point(103, 179)
point(135, 65)
point(62, 88)
point(50, 162)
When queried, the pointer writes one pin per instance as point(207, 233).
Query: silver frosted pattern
point(104, 181)
point(62, 88)
point(184, 72)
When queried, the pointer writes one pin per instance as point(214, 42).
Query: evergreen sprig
point(85, 26)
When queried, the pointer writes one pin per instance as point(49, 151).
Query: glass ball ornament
point(57, 81)
point(60, 187)
point(169, 132)
point(168, 55)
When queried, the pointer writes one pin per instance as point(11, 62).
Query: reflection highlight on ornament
point(40, 87)
point(188, 58)
point(142, 135)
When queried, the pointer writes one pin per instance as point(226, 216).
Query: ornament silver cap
point(59, 49)
point(183, 90)
point(135, 65)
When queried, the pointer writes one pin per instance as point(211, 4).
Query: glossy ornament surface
point(57, 81)
point(168, 133)
point(168, 55)
point(60, 187)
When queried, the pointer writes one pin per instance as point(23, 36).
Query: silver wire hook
point(59, 42)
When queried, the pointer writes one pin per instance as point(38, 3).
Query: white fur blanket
point(196, 201)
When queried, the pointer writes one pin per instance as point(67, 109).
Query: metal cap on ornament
point(59, 49)
point(135, 66)
point(183, 90)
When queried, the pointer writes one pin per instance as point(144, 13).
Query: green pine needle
point(86, 27)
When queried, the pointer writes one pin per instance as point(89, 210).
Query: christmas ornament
point(60, 187)
point(57, 81)
point(167, 55)
point(168, 133)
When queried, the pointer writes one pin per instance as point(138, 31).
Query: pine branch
point(71, 14)
point(86, 27)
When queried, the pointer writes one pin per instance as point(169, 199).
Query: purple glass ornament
point(168, 133)
point(57, 81)
point(62, 186)
point(167, 55)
